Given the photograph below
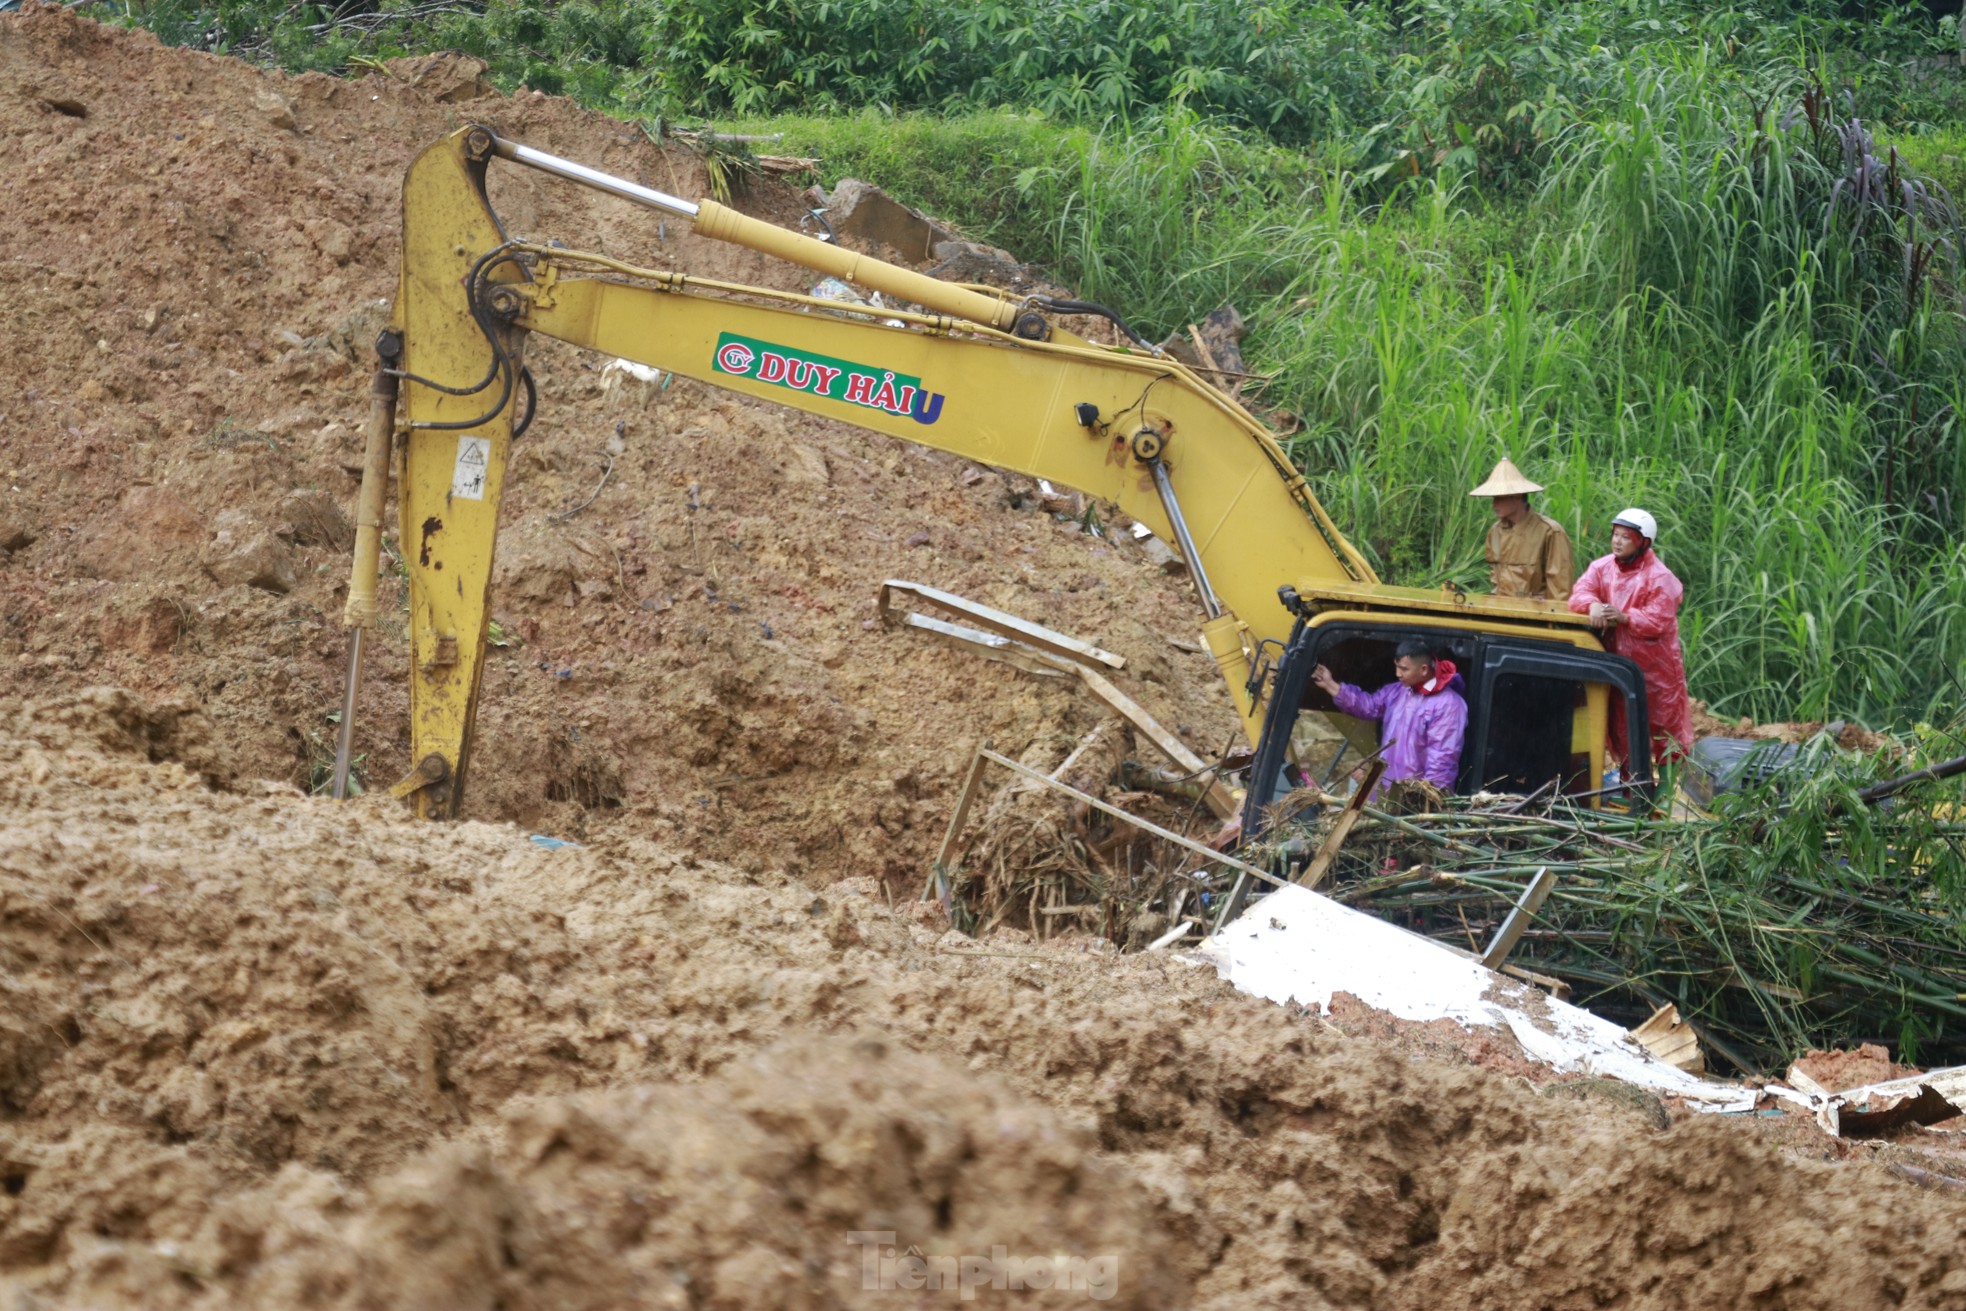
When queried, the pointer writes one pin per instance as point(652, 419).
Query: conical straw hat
point(1507, 480)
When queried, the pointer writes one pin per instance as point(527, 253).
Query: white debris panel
point(1879, 1107)
point(1295, 945)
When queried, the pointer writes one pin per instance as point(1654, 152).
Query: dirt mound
point(693, 654)
point(262, 1049)
point(782, 1182)
point(1850, 736)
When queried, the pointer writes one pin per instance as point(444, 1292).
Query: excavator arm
point(971, 370)
point(974, 371)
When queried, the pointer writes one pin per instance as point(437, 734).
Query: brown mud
point(1849, 735)
point(199, 276)
point(259, 1049)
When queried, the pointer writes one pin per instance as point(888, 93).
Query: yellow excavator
point(984, 373)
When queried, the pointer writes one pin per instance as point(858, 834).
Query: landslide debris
point(258, 1049)
point(197, 279)
point(261, 1049)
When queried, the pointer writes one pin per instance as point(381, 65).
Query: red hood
point(1445, 677)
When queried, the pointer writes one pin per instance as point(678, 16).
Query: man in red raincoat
point(1633, 600)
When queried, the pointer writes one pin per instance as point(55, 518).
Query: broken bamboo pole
point(1525, 910)
point(939, 873)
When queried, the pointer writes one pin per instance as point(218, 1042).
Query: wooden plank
point(945, 859)
point(1525, 910)
point(1164, 834)
point(1673, 1041)
point(1342, 826)
point(1217, 796)
point(990, 646)
point(997, 621)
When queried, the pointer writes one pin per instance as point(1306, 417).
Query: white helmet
point(1639, 522)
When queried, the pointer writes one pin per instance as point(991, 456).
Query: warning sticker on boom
point(468, 475)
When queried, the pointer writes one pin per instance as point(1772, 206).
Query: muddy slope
point(263, 1050)
point(198, 277)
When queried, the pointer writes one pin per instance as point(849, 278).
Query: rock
point(314, 363)
point(354, 336)
point(1053, 500)
point(243, 551)
point(803, 464)
point(274, 108)
point(332, 239)
point(149, 627)
point(310, 517)
point(1162, 556)
point(447, 79)
point(14, 534)
point(539, 571)
point(842, 929)
point(970, 261)
point(862, 210)
point(157, 514)
point(1612, 1092)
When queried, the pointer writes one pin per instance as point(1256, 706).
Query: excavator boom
point(973, 371)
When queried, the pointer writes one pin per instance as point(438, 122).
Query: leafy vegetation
point(1800, 914)
point(1651, 250)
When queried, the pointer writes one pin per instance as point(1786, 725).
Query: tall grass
point(1692, 314)
point(1709, 327)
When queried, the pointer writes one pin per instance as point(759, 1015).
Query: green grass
point(1695, 332)
point(1937, 152)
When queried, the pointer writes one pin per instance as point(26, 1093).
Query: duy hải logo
point(840, 380)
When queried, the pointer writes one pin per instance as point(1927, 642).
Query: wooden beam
point(997, 621)
point(1342, 826)
point(1525, 910)
point(989, 645)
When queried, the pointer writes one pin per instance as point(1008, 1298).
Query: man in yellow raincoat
point(1528, 553)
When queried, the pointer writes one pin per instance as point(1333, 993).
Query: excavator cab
point(1538, 707)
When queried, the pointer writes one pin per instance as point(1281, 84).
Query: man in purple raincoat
point(1422, 716)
